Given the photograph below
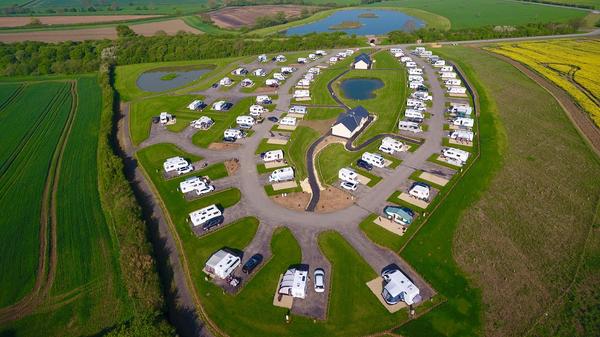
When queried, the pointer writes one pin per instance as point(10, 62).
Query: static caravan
point(400, 215)
point(297, 109)
point(414, 115)
point(421, 95)
point(196, 105)
point(397, 287)
point(456, 154)
point(263, 99)
point(302, 60)
point(247, 121)
point(452, 82)
point(204, 215)
point(439, 63)
point(392, 145)
point(415, 71)
point(303, 83)
point(175, 163)
point(203, 122)
point(233, 133)
point(271, 82)
point(405, 59)
point(321, 52)
point(457, 90)
point(221, 264)
point(463, 135)
point(446, 69)
point(293, 283)
point(259, 72)
point(274, 155)
point(464, 121)
point(282, 174)
point(415, 78)
point(226, 81)
point(262, 58)
point(448, 75)
point(279, 76)
point(280, 58)
point(348, 174)
point(411, 65)
point(256, 110)
point(291, 121)
point(420, 191)
point(288, 70)
point(240, 71)
point(301, 94)
point(373, 159)
point(246, 82)
point(312, 56)
point(333, 60)
point(409, 126)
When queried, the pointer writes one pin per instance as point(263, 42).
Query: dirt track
point(170, 27)
point(238, 17)
point(19, 21)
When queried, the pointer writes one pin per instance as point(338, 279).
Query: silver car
point(319, 280)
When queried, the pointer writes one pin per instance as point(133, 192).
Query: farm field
point(238, 17)
point(82, 292)
point(509, 244)
point(573, 65)
point(18, 21)
point(592, 3)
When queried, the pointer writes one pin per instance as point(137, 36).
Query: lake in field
point(360, 88)
point(158, 81)
point(372, 22)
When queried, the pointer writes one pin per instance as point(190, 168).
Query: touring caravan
point(439, 63)
point(262, 99)
point(166, 118)
point(414, 103)
point(320, 52)
point(246, 83)
point(416, 78)
point(203, 123)
point(411, 65)
point(391, 145)
point(396, 50)
point(452, 82)
point(414, 115)
point(245, 121)
point(456, 154)
point(460, 109)
point(239, 71)
point(420, 191)
point(221, 106)
point(450, 74)
point(290, 121)
point(256, 110)
point(297, 109)
point(462, 135)
point(262, 58)
point(279, 77)
point(409, 126)
point(302, 60)
point(312, 56)
point(446, 69)
point(348, 174)
point(314, 70)
point(401, 215)
point(233, 133)
point(301, 94)
point(259, 72)
point(175, 163)
point(280, 58)
point(464, 121)
point(397, 287)
point(288, 70)
point(226, 81)
point(373, 159)
point(191, 184)
point(405, 59)
point(271, 82)
point(207, 217)
point(421, 95)
point(196, 105)
point(273, 155)
point(221, 264)
point(415, 84)
point(457, 90)
point(415, 71)
point(282, 174)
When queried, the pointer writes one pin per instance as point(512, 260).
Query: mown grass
point(223, 120)
point(26, 155)
point(379, 235)
point(385, 60)
point(319, 92)
point(322, 113)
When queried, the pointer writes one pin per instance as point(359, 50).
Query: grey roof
point(363, 57)
point(352, 119)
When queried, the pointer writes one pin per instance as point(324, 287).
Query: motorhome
point(221, 264)
point(414, 115)
point(191, 184)
point(421, 95)
point(205, 216)
point(259, 72)
point(409, 126)
point(457, 90)
point(411, 65)
point(420, 191)
point(450, 74)
point(348, 174)
point(271, 82)
point(456, 154)
point(256, 110)
point(464, 121)
point(203, 123)
point(246, 83)
point(393, 145)
point(301, 94)
point(245, 121)
point(263, 99)
point(446, 69)
point(233, 133)
point(462, 135)
point(415, 71)
point(274, 155)
point(166, 118)
point(290, 121)
point(282, 174)
point(262, 58)
point(196, 105)
point(279, 76)
point(415, 78)
point(439, 63)
point(397, 287)
point(175, 163)
point(373, 159)
point(297, 109)
point(239, 71)
point(400, 215)
point(452, 82)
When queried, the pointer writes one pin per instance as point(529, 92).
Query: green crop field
point(54, 145)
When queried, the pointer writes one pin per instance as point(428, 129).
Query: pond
point(360, 22)
point(360, 88)
point(166, 79)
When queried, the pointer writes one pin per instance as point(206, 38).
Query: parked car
point(229, 139)
point(319, 280)
point(363, 164)
point(205, 189)
point(213, 223)
point(155, 120)
point(226, 106)
point(252, 263)
point(349, 186)
point(184, 170)
point(273, 119)
point(215, 85)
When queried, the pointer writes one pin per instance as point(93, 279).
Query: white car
point(184, 170)
point(349, 186)
point(205, 189)
point(386, 149)
point(319, 280)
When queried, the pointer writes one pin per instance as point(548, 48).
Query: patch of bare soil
point(265, 90)
point(232, 166)
point(19, 21)
point(238, 17)
point(333, 199)
point(296, 201)
point(223, 146)
point(321, 126)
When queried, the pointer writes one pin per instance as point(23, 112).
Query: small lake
point(153, 81)
point(373, 22)
point(360, 88)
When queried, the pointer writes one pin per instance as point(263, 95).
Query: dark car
point(213, 223)
point(215, 85)
point(229, 139)
point(273, 119)
point(364, 164)
point(155, 120)
point(252, 263)
point(422, 88)
point(226, 106)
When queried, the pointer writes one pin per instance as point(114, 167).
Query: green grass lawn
point(379, 235)
point(322, 113)
point(385, 60)
point(334, 157)
point(319, 93)
point(223, 120)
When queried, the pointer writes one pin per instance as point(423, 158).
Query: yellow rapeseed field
point(574, 65)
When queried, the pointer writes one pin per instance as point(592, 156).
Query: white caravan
point(274, 155)
point(262, 58)
point(302, 60)
point(414, 115)
point(415, 71)
point(256, 110)
point(279, 76)
point(203, 122)
point(415, 84)
point(456, 154)
point(446, 69)
point(282, 174)
point(452, 82)
point(221, 264)
point(405, 59)
point(175, 163)
point(196, 105)
point(461, 109)
point(312, 56)
point(314, 70)
point(280, 58)
point(392, 145)
point(271, 82)
point(301, 94)
point(421, 95)
point(246, 83)
point(191, 184)
point(259, 72)
point(245, 121)
point(348, 174)
point(419, 191)
point(288, 70)
point(409, 126)
point(233, 133)
point(462, 135)
point(239, 71)
point(411, 65)
point(457, 90)
point(297, 109)
point(203, 215)
point(226, 81)
point(263, 99)
point(439, 63)
point(415, 78)
point(397, 287)
point(373, 159)
point(464, 121)
point(290, 121)
point(321, 52)
point(449, 74)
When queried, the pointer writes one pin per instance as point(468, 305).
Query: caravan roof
point(191, 184)
point(202, 215)
point(293, 283)
point(399, 287)
point(222, 263)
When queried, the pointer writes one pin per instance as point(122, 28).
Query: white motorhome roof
point(399, 283)
point(202, 215)
point(190, 184)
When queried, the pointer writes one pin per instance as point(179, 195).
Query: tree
point(124, 31)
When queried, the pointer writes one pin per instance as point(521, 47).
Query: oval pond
point(163, 80)
point(360, 88)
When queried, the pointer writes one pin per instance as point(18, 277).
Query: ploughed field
point(573, 65)
point(246, 16)
point(18, 21)
point(49, 198)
